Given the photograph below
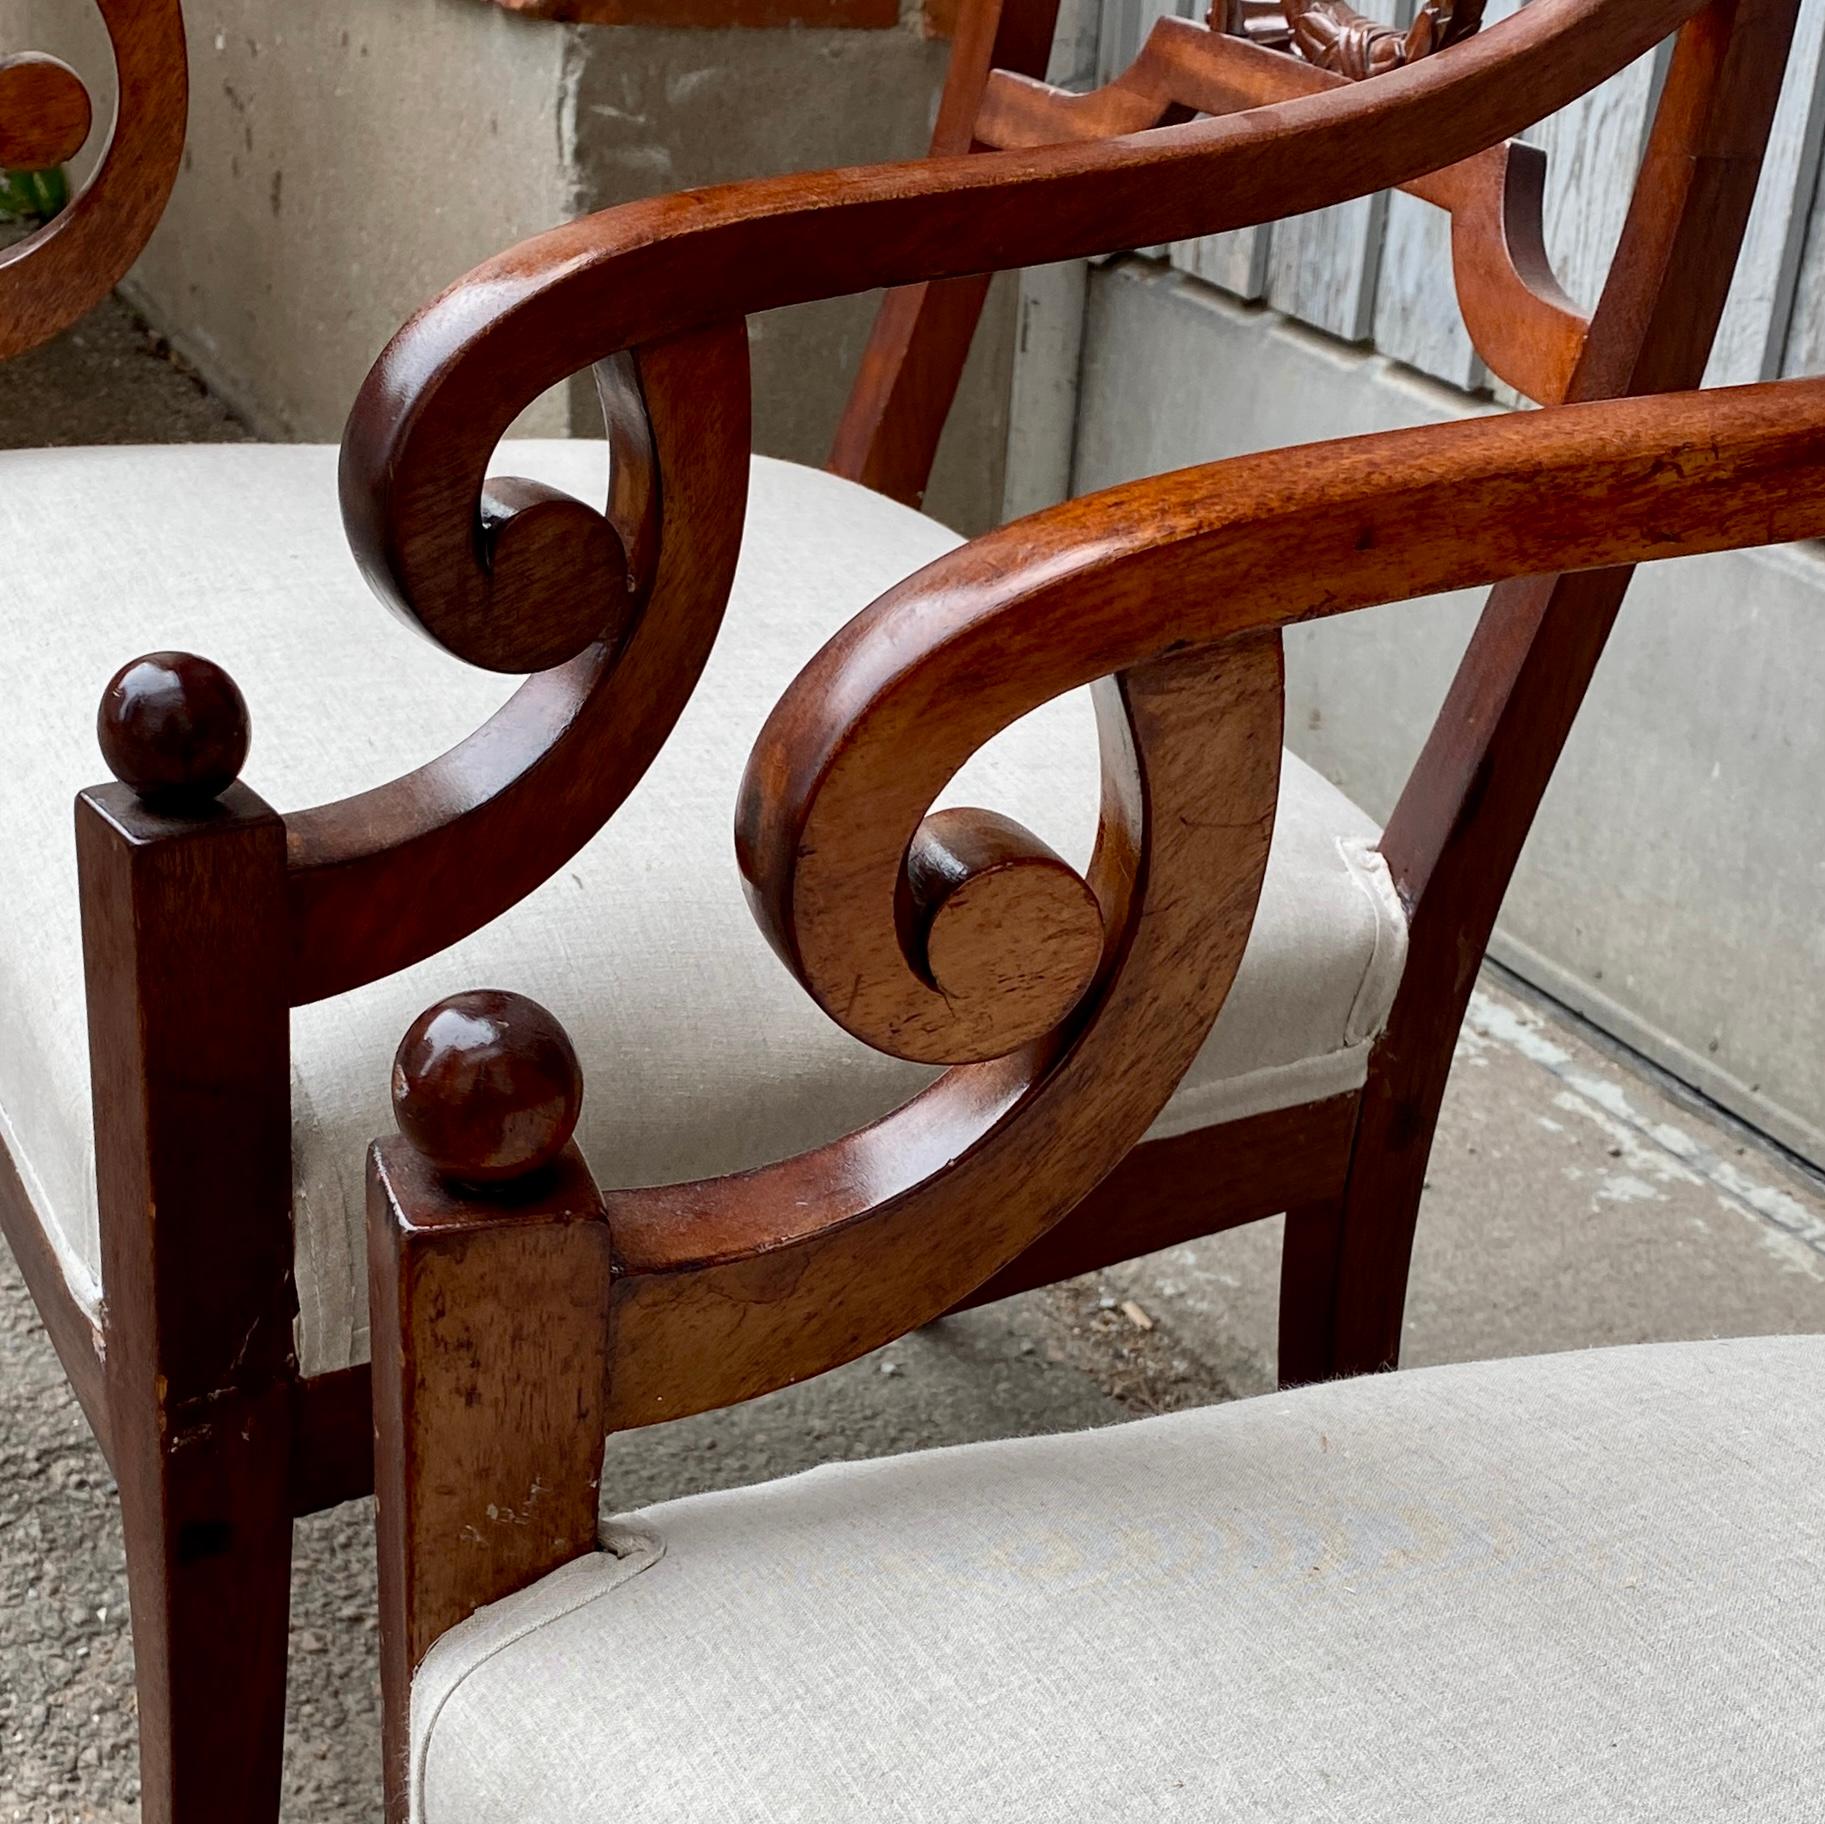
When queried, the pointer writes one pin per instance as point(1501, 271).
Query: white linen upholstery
point(701, 1053)
point(1564, 1590)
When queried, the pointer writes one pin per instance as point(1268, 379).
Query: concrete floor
point(1574, 1200)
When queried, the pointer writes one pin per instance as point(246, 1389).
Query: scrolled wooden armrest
point(53, 277)
point(620, 606)
point(833, 831)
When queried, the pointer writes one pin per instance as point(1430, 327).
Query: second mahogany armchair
point(1577, 1586)
point(184, 1183)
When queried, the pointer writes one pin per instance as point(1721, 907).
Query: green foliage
point(33, 196)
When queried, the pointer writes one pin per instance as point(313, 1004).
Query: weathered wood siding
point(1378, 271)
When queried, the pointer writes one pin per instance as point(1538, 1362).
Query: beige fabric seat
point(1570, 1590)
point(703, 1055)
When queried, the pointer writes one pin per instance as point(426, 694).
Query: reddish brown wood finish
point(1171, 1191)
point(456, 377)
point(191, 1386)
point(736, 1285)
point(727, 1288)
point(380, 880)
point(1525, 328)
point(52, 277)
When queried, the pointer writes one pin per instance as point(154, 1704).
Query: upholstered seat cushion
point(1580, 1587)
point(702, 1054)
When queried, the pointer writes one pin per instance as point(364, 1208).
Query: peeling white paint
point(1625, 1187)
point(1650, 1153)
point(570, 86)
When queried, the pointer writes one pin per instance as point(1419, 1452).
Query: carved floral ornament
point(1334, 36)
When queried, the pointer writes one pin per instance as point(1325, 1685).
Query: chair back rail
point(1525, 328)
point(1521, 322)
point(52, 277)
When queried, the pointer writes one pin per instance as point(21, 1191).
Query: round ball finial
point(487, 1086)
point(174, 728)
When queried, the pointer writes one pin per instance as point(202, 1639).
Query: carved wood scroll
point(52, 277)
point(734, 1285)
point(622, 605)
point(44, 113)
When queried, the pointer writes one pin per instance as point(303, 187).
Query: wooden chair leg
point(1343, 1277)
point(185, 940)
point(1309, 1261)
point(208, 1530)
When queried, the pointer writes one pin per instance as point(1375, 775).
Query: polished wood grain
point(736, 1285)
point(727, 1288)
point(448, 386)
point(732, 1286)
point(392, 875)
point(49, 279)
point(513, 1323)
point(1131, 574)
point(403, 870)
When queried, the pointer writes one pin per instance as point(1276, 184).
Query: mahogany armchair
point(195, 1242)
point(1531, 1589)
